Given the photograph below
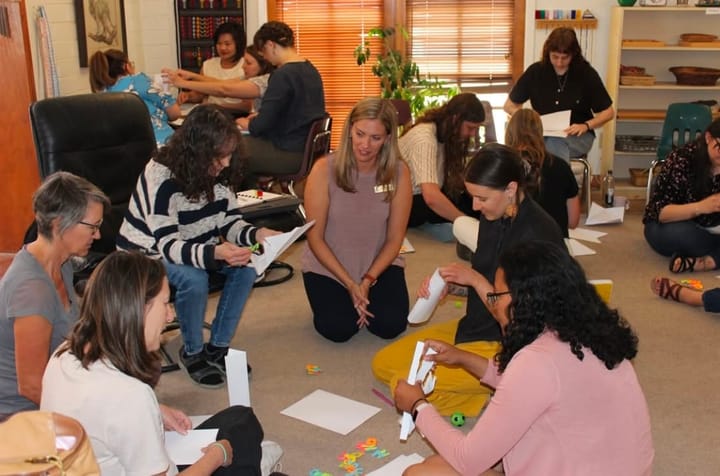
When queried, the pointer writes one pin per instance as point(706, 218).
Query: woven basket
point(695, 76)
point(639, 177)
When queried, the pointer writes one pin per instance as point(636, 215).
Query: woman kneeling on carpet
point(563, 380)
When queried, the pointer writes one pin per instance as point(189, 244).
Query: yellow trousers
point(456, 390)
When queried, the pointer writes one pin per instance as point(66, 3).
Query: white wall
point(151, 38)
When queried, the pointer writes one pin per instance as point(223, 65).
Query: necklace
point(561, 84)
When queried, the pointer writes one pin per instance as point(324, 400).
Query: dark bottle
point(608, 189)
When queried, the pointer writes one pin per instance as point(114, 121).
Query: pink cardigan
point(552, 414)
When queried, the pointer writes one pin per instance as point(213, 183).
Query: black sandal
point(200, 371)
point(687, 263)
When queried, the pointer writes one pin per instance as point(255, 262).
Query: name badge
point(384, 188)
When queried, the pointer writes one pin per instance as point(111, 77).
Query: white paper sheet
point(586, 235)
point(237, 378)
point(555, 123)
point(251, 197)
point(186, 449)
point(197, 419)
point(406, 247)
point(420, 371)
point(599, 215)
point(330, 411)
point(575, 248)
point(424, 307)
point(398, 465)
point(276, 245)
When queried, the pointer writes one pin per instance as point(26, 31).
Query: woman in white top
point(230, 42)
point(103, 375)
point(250, 90)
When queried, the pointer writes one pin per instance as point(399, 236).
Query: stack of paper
point(579, 249)
point(604, 216)
point(330, 411)
point(555, 123)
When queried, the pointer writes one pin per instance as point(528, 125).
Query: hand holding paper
point(424, 307)
point(276, 245)
point(421, 370)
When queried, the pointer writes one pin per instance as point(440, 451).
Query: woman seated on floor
point(564, 381)
point(683, 214)
point(294, 99)
point(359, 197)
point(184, 212)
point(38, 303)
point(103, 376)
point(251, 88)
point(436, 148)
point(551, 181)
point(495, 178)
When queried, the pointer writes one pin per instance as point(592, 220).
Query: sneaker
point(200, 371)
point(271, 454)
point(216, 358)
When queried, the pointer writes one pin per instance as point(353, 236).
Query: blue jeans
point(685, 238)
point(570, 146)
point(191, 296)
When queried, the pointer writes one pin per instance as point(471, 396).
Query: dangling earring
point(512, 209)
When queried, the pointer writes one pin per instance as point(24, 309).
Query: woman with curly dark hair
point(564, 381)
point(184, 212)
point(436, 148)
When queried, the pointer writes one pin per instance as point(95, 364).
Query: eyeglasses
point(492, 298)
point(94, 226)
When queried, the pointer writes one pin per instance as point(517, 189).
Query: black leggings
point(421, 213)
point(334, 314)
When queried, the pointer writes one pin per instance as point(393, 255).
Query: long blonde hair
point(345, 167)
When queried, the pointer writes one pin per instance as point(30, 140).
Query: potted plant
point(400, 76)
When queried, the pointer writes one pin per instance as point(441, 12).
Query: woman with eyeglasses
point(564, 383)
point(682, 217)
point(495, 178)
point(38, 304)
point(112, 71)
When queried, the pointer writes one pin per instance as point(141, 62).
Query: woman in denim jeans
point(682, 216)
point(184, 211)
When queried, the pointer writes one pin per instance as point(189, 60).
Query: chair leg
point(291, 190)
point(587, 186)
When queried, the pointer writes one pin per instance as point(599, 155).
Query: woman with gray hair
point(38, 304)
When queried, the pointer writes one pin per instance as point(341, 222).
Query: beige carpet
point(677, 362)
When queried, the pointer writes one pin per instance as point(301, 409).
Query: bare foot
point(666, 288)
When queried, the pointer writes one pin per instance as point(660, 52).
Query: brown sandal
point(668, 289)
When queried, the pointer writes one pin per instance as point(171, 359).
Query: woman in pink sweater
point(567, 400)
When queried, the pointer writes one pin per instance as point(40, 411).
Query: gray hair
point(66, 197)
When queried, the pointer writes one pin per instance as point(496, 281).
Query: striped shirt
point(424, 154)
point(163, 223)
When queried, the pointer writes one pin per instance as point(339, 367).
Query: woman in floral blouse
point(682, 217)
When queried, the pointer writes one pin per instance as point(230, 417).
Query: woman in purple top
point(360, 199)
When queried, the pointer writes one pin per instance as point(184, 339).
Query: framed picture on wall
point(100, 26)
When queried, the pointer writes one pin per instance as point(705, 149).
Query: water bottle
point(608, 188)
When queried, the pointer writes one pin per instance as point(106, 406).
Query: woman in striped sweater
point(184, 212)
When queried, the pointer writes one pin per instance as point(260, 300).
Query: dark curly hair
point(237, 32)
point(550, 291)
point(448, 120)
point(207, 134)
